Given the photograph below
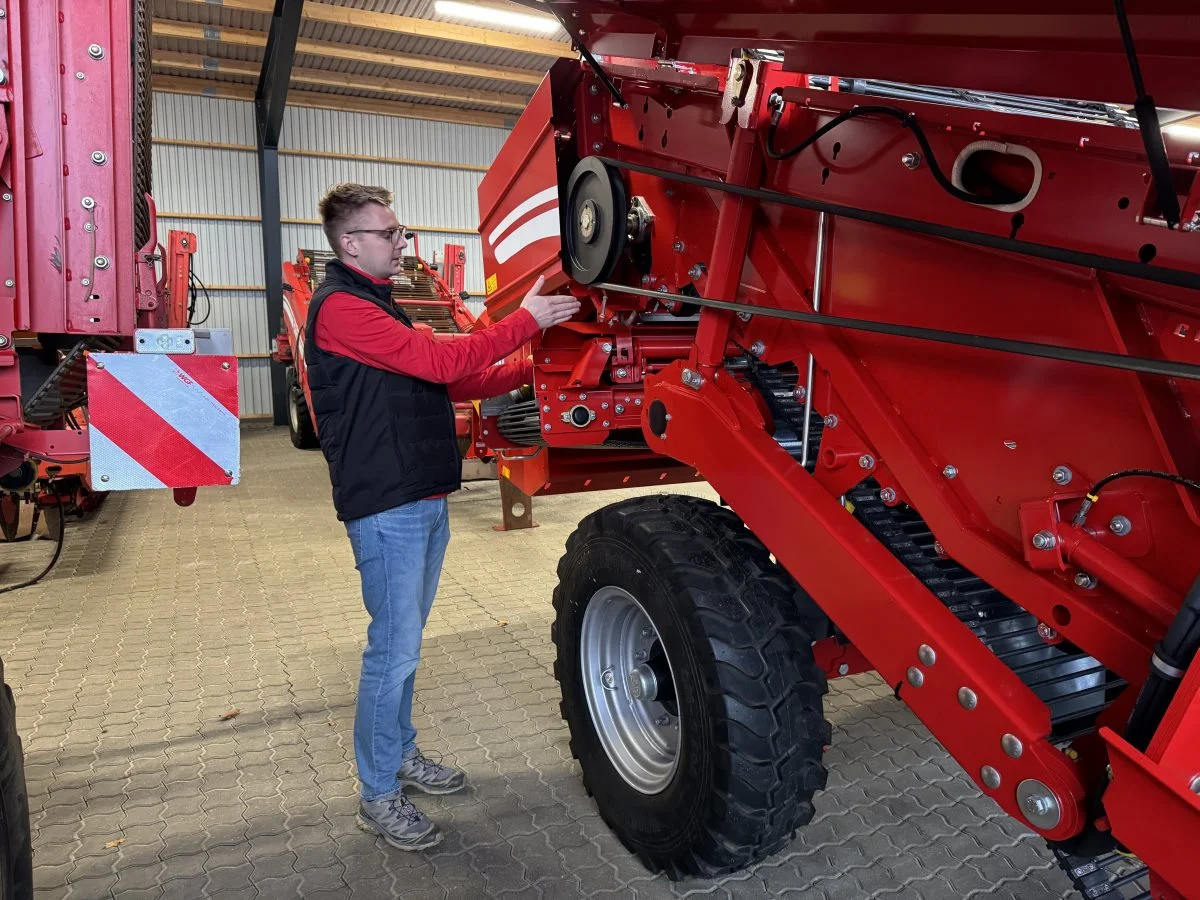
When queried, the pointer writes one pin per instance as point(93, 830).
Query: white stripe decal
point(529, 205)
point(536, 229)
point(124, 472)
point(182, 402)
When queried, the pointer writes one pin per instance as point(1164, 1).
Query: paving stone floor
point(159, 621)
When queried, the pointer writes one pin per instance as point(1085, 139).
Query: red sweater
point(352, 327)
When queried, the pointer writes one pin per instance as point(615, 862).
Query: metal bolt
point(915, 676)
point(604, 405)
point(606, 347)
point(610, 680)
point(95, 51)
point(1194, 787)
point(696, 271)
point(990, 777)
point(950, 471)
point(99, 157)
point(604, 423)
point(1011, 744)
point(662, 289)
point(938, 548)
point(80, 76)
point(225, 366)
point(679, 245)
point(594, 90)
point(800, 392)
point(546, 360)
point(595, 118)
point(640, 656)
point(926, 654)
point(596, 147)
point(911, 160)
point(637, 402)
point(3, 340)
point(744, 316)
point(89, 226)
point(101, 262)
point(104, 478)
point(888, 495)
point(619, 409)
point(99, 365)
point(546, 408)
point(7, 196)
point(1085, 581)
point(831, 421)
point(758, 348)
point(8, 282)
point(647, 631)
point(87, 203)
point(1044, 540)
point(1062, 476)
point(546, 427)
point(562, 397)
point(2, 14)
point(622, 373)
point(1045, 632)
point(1120, 526)
point(86, 282)
point(843, 669)
point(3, 77)
point(866, 461)
point(662, 720)
point(1038, 803)
point(229, 473)
point(967, 698)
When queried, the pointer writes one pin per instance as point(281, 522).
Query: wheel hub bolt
point(610, 680)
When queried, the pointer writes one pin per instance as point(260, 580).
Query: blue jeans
point(399, 555)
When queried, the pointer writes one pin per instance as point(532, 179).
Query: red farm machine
point(433, 300)
point(103, 384)
point(916, 289)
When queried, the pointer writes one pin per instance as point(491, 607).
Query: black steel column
point(270, 100)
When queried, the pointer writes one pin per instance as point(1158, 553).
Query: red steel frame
point(969, 438)
point(289, 343)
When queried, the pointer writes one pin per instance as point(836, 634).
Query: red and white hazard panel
point(158, 421)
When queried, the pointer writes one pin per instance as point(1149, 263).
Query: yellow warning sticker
point(492, 284)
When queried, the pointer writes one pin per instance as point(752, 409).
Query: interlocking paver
point(124, 669)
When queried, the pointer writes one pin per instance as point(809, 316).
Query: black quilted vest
point(389, 439)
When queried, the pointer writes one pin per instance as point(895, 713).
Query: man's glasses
point(389, 233)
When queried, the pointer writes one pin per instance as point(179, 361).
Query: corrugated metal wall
point(206, 182)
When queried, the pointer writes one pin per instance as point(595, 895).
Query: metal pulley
point(596, 223)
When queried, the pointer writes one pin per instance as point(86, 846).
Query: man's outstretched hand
point(549, 309)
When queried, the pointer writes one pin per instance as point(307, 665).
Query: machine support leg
point(729, 249)
point(516, 508)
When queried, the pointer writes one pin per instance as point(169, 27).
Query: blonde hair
point(341, 203)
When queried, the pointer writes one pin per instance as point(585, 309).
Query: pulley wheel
point(595, 226)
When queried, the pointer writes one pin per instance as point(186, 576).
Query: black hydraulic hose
point(1172, 656)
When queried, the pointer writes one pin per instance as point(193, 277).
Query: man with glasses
point(382, 395)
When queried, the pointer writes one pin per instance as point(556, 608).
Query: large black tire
point(751, 731)
point(16, 854)
point(300, 423)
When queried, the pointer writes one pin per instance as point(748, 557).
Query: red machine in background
point(432, 301)
point(931, 334)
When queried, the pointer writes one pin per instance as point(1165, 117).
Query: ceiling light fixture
point(493, 16)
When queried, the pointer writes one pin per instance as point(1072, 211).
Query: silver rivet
point(606, 347)
point(99, 365)
point(950, 471)
point(86, 282)
point(758, 348)
point(843, 669)
point(3, 340)
point(967, 698)
point(622, 373)
point(595, 118)
point(888, 495)
point(619, 409)
point(8, 282)
point(1120, 526)
point(866, 461)
point(225, 366)
point(594, 90)
point(562, 397)
point(101, 262)
point(583, 396)
point(1045, 632)
point(87, 203)
point(89, 226)
point(604, 424)
point(637, 401)
point(800, 393)
point(911, 160)
point(99, 157)
point(104, 478)
point(609, 680)
point(1085, 581)
point(596, 147)
point(831, 421)
point(990, 777)
point(7, 196)
point(229, 473)
point(926, 654)
point(1062, 475)
point(915, 676)
point(1194, 787)
point(546, 408)
point(95, 51)
point(1011, 744)
point(679, 245)
point(80, 76)
point(697, 270)
point(1044, 540)
point(546, 360)
point(546, 427)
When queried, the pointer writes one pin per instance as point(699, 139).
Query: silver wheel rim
point(630, 689)
point(294, 412)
